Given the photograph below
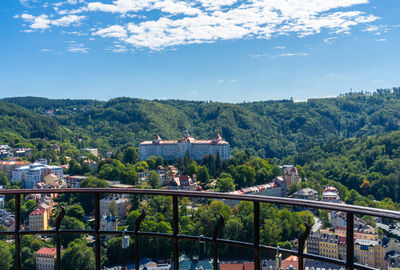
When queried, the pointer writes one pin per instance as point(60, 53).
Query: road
point(317, 224)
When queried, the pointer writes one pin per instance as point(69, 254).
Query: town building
point(46, 258)
point(361, 231)
point(330, 194)
point(38, 219)
point(369, 252)
point(313, 243)
point(7, 219)
point(30, 175)
point(338, 219)
point(74, 181)
point(108, 223)
point(7, 167)
point(23, 152)
point(329, 245)
point(120, 203)
point(172, 150)
point(281, 181)
point(306, 194)
point(291, 175)
point(5, 151)
point(183, 182)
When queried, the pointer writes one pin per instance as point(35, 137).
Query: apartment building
point(46, 258)
point(369, 252)
point(38, 219)
point(30, 175)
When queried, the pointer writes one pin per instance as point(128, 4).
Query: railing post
point(349, 241)
point(175, 231)
point(257, 261)
point(215, 236)
point(97, 229)
point(58, 240)
point(137, 227)
point(17, 228)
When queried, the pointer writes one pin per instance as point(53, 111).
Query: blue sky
point(222, 50)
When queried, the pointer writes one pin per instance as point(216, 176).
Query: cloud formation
point(164, 23)
point(44, 21)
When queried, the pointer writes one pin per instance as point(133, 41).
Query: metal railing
point(350, 211)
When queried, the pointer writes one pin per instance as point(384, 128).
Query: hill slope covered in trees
point(271, 128)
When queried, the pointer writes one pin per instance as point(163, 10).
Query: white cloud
point(77, 48)
point(330, 40)
point(164, 23)
point(381, 40)
point(43, 21)
point(115, 31)
point(291, 54)
point(220, 81)
point(280, 47)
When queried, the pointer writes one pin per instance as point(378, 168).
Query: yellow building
point(329, 245)
point(369, 252)
point(38, 220)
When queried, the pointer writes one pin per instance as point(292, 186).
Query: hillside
point(18, 123)
point(271, 128)
point(370, 165)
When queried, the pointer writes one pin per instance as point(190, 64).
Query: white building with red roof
point(46, 258)
point(171, 150)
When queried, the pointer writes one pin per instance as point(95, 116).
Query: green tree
point(71, 223)
point(113, 209)
point(225, 184)
point(130, 155)
point(27, 258)
point(78, 256)
point(3, 179)
point(203, 175)
point(6, 257)
point(153, 179)
point(75, 211)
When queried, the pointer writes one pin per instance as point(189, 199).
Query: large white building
point(171, 150)
point(34, 173)
point(120, 203)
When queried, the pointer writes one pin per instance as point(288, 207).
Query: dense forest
point(274, 129)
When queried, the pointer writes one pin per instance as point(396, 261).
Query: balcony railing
point(350, 211)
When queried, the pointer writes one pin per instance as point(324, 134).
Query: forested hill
point(272, 128)
point(17, 124)
point(370, 165)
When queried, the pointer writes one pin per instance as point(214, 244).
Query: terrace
point(176, 236)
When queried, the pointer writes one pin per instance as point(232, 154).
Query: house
point(291, 175)
point(38, 219)
point(329, 245)
point(369, 252)
point(74, 181)
point(306, 194)
point(330, 194)
point(120, 203)
point(172, 150)
point(5, 151)
point(7, 219)
point(93, 151)
point(46, 258)
point(108, 223)
point(183, 182)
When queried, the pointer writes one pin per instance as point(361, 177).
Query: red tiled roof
point(46, 251)
point(37, 211)
point(248, 266)
point(231, 266)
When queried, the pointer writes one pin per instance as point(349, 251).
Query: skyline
point(192, 50)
